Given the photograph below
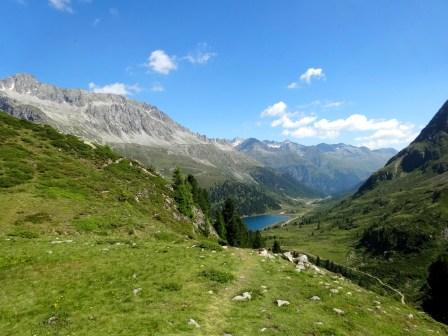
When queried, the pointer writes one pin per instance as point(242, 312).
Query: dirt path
point(382, 284)
point(216, 312)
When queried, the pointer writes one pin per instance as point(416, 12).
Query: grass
point(101, 286)
point(92, 245)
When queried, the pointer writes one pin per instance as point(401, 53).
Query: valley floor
point(90, 285)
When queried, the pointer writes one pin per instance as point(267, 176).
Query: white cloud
point(61, 5)
point(334, 104)
point(378, 132)
point(157, 87)
point(286, 122)
point(307, 77)
point(275, 110)
point(161, 62)
point(201, 55)
point(116, 88)
point(311, 73)
point(293, 85)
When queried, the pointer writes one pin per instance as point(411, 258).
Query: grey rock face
point(120, 122)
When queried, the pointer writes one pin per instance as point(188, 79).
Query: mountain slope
point(141, 132)
point(328, 169)
point(136, 129)
point(396, 225)
point(55, 183)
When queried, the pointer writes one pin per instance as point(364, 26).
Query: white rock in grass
point(246, 296)
point(137, 291)
point(263, 329)
point(265, 254)
point(288, 256)
point(315, 298)
point(281, 303)
point(338, 311)
point(410, 317)
point(193, 323)
point(334, 291)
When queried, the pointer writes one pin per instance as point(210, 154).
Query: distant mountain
point(141, 132)
point(136, 129)
point(399, 216)
point(328, 169)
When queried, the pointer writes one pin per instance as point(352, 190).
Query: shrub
point(210, 245)
point(171, 287)
point(217, 276)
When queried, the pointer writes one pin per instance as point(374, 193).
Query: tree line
point(227, 221)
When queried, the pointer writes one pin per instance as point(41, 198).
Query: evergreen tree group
point(228, 223)
point(231, 228)
point(188, 194)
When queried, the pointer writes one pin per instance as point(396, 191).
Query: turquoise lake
point(262, 221)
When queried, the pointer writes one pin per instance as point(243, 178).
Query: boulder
point(246, 296)
point(288, 256)
point(193, 323)
point(338, 311)
point(281, 303)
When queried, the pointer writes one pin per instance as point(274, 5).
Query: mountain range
point(278, 170)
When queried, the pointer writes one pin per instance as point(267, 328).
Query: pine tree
point(276, 247)
point(258, 240)
point(220, 226)
point(182, 193)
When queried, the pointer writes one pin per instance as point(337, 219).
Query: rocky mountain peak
point(439, 123)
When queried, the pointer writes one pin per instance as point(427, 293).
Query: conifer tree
point(276, 247)
point(182, 193)
point(257, 241)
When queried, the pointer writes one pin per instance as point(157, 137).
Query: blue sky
point(361, 72)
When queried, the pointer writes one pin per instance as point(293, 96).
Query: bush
point(217, 276)
point(171, 287)
point(210, 245)
point(24, 234)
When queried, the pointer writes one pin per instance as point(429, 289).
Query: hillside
point(54, 183)
point(140, 132)
point(326, 169)
point(91, 244)
point(396, 225)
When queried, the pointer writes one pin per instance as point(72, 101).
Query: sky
point(367, 73)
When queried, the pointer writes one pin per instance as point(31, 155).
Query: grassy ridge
point(51, 182)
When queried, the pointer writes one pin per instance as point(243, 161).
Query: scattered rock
point(315, 298)
point(338, 311)
point(334, 291)
point(302, 259)
point(193, 323)
point(263, 329)
point(288, 256)
point(410, 316)
point(377, 303)
point(281, 303)
point(246, 296)
point(266, 254)
point(137, 291)
point(52, 320)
